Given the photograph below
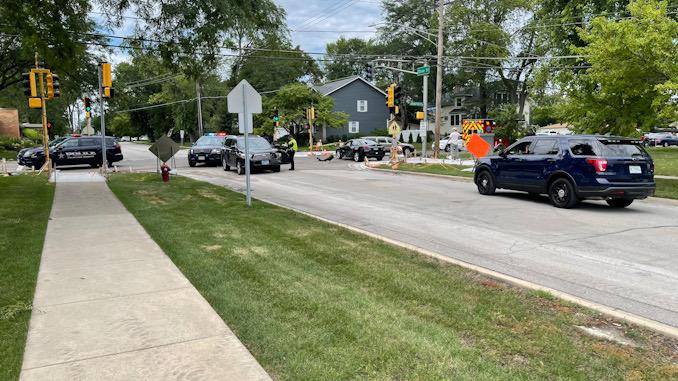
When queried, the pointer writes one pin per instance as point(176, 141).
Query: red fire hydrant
point(165, 171)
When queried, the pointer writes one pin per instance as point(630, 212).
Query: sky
point(314, 23)
point(307, 17)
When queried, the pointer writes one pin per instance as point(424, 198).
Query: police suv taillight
point(599, 164)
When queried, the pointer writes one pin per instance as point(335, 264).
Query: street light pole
point(439, 76)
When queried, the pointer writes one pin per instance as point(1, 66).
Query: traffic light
point(389, 97)
point(29, 84)
point(275, 117)
point(369, 68)
point(52, 85)
point(305, 113)
point(49, 124)
point(106, 82)
point(397, 95)
point(106, 75)
point(88, 107)
point(312, 112)
point(420, 115)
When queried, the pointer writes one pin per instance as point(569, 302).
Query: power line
point(329, 15)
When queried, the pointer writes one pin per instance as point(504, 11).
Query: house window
point(362, 106)
point(353, 127)
point(455, 120)
point(445, 117)
point(502, 97)
point(458, 102)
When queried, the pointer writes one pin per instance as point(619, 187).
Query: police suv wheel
point(239, 167)
point(223, 164)
point(562, 194)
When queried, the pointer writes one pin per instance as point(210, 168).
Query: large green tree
point(190, 36)
point(291, 101)
point(347, 57)
point(633, 77)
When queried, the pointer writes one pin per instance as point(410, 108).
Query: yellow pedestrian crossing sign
point(393, 128)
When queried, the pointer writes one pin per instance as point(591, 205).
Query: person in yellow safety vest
point(292, 145)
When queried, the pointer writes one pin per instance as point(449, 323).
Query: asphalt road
point(621, 258)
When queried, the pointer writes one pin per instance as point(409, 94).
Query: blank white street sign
point(252, 98)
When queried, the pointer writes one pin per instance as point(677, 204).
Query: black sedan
point(661, 139)
point(359, 149)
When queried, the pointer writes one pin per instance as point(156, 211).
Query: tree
point(632, 79)
point(190, 35)
point(291, 101)
point(269, 69)
point(58, 30)
point(342, 66)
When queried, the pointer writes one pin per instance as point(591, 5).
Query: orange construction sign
point(477, 146)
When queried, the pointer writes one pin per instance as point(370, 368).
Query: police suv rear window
point(584, 147)
point(623, 148)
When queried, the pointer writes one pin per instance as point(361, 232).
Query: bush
point(33, 135)
point(380, 132)
point(10, 143)
point(419, 138)
point(409, 140)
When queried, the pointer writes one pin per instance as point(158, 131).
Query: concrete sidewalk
point(110, 305)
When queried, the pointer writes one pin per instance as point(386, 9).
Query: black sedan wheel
point(356, 156)
point(339, 154)
point(224, 164)
point(666, 144)
point(619, 202)
point(191, 164)
point(240, 167)
point(562, 194)
point(485, 183)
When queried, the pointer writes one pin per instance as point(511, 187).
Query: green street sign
point(418, 104)
point(424, 70)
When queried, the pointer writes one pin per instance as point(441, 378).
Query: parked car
point(570, 168)
point(262, 155)
point(207, 149)
point(446, 144)
point(75, 151)
point(358, 149)
point(660, 139)
point(386, 144)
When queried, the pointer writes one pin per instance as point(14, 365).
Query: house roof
point(331, 87)
point(558, 125)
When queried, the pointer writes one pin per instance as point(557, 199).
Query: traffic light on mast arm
point(397, 95)
point(88, 107)
point(369, 68)
point(29, 84)
point(52, 86)
point(275, 117)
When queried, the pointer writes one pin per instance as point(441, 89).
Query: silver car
point(386, 143)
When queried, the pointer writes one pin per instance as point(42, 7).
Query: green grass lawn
point(25, 205)
point(9, 155)
point(435, 168)
point(665, 160)
point(313, 301)
point(667, 188)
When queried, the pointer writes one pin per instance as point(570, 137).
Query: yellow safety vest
point(293, 145)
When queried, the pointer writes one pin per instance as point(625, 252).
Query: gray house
point(360, 100)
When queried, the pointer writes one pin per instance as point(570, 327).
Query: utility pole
point(104, 166)
point(425, 120)
point(197, 89)
point(439, 75)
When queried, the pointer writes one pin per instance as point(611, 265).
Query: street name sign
point(424, 70)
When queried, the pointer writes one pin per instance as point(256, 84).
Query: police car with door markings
point(207, 149)
point(81, 150)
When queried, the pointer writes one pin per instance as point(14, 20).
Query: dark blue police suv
point(571, 168)
point(74, 151)
point(207, 149)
